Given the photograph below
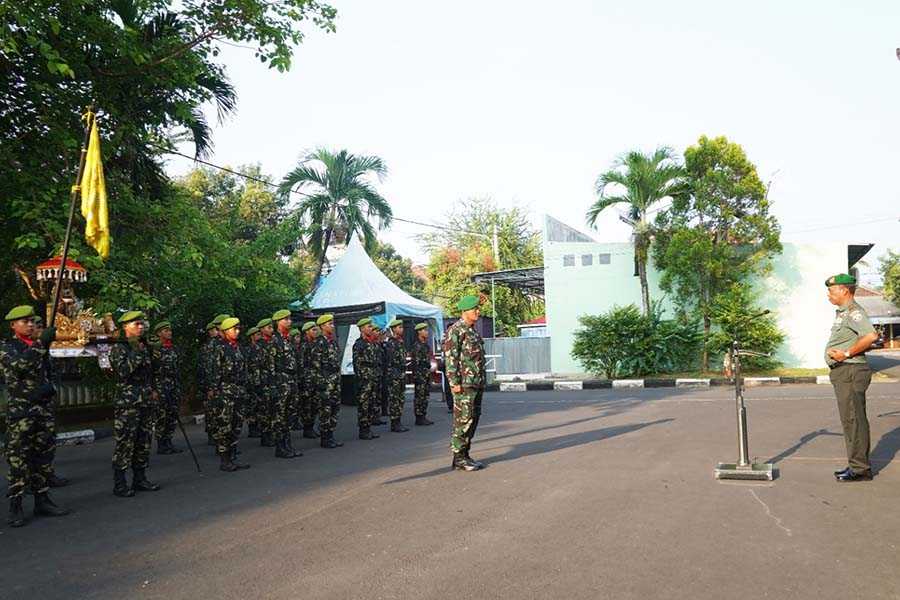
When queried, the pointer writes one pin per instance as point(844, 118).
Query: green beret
point(293, 331)
point(840, 279)
point(229, 323)
point(325, 319)
point(363, 322)
point(395, 323)
point(307, 326)
point(421, 326)
point(467, 302)
point(219, 318)
point(20, 312)
point(264, 323)
point(281, 314)
point(131, 315)
point(162, 325)
point(252, 330)
point(211, 325)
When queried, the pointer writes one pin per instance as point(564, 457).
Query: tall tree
point(717, 232)
point(338, 197)
point(889, 266)
point(638, 181)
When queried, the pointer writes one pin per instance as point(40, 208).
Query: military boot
point(366, 434)
point(309, 432)
point(423, 420)
point(16, 516)
point(44, 506)
point(397, 426)
point(226, 464)
point(266, 441)
point(329, 442)
point(478, 464)
point(462, 463)
point(120, 484)
point(239, 466)
point(285, 448)
point(141, 483)
point(164, 447)
point(377, 420)
point(55, 481)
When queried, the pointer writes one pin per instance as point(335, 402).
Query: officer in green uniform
point(851, 335)
point(29, 416)
point(464, 352)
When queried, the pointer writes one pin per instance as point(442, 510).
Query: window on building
point(569, 260)
point(587, 260)
point(603, 259)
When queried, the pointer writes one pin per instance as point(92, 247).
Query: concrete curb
point(561, 385)
point(83, 436)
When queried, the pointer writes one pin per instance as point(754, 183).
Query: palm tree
point(640, 181)
point(338, 198)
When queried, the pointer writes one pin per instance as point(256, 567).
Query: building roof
point(880, 311)
point(529, 280)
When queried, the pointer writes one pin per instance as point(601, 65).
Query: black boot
point(225, 463)
point(120, 484)
point(253, 430)
point(366, 434)
point(309, 432)
point(398, 427)
point(237, 465)
point(329, 442)
point(266, 441)
point(56, 481)
point(16, 514)
point(462, 463)
point(285, 448)
point(423, 420)
point(478, 464)
point(141, 483)
point(377, 420)
point(44, 506)
point(289, 446)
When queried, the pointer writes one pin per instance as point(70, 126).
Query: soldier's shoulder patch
point(856, 316)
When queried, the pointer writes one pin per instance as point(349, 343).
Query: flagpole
point(90, 117)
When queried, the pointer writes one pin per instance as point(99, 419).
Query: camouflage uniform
point(381, 407)
point(134, 407)
point(284, 390)
point(167, 383)
point(228, 381)
point(421, 370)
point(395, 375)
point(204, 361)
point(251, 414)
point(309, 407)
point(265, 367)
point(30, 435)
point(325, 360)
point(464, 352)
point(296, 406)
point(366, 367)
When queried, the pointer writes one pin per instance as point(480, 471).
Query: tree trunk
point(707, 324)
point(640, 248)
point(318, 279)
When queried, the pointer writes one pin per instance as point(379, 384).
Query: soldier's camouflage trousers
point(203, 391)
point(294, 407)
point(226, 411)
point(421, 397)
point(396, 396)
point(30, 444)
point(329, 395)
point(466, 414)
point(166, 415)
point(309, 407)
point(251, 409)
point(284, 394)
point(264, 409)
point(367, 398)
point(132, 429)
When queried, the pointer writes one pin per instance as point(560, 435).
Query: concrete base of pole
point(754, 471)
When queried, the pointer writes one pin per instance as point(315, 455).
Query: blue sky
point(527, 102)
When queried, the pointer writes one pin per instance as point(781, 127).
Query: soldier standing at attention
point(851, 335)
point(265, 359)
point(285, 388)
point(206, 364)
point(53, 480)
point(297, 400)
point(167, 383)
point(464, 352)
point(309, 400)
point(228, 380)
point(379, 405)
point(365, 363)
point(421, 368)
point(29, 416)
point(325, 360)
point(251, 352)
point(134, 408)
point(395, 361)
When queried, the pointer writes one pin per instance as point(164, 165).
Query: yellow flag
point(93, 195)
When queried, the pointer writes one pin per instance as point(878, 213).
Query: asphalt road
point(594, 494)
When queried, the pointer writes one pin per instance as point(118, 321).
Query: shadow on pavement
point(886, 449)
point(804, 439)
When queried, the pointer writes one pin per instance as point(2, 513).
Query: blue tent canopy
point(355, 282)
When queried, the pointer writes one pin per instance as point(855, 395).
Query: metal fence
point(70, 395)
point(520, 355)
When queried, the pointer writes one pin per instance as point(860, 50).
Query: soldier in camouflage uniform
point(383, 395)
point(284, 386)
point(135, 407)
point(309, 399)
point(265, 364)
point(53, 480)
point(167, 383)
point(251, 352)
point(325, 360)
point(29, 416)
point(295, 406)
point(464, 352)
point(421, 370)
point(395, 373)
point(204, 364)
point(365, 367)
point(228, 381)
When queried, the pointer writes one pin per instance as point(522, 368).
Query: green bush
point(625, 343)
point(730, 315)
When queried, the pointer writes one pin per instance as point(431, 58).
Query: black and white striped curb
point(599, 384)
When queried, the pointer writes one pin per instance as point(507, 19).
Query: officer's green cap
point(395, 322)
point(20, 312)
point(840, 279)
point(264, 323)
point(162, 325)
point(467, 302)
point(252, 330)
point(324, 319)
point(307, 326)
point(363, 322)
point(210, 325)
point(131, 315)
point(281, 314)
point(219, 318)
point(421, 326)
point(229, 323)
